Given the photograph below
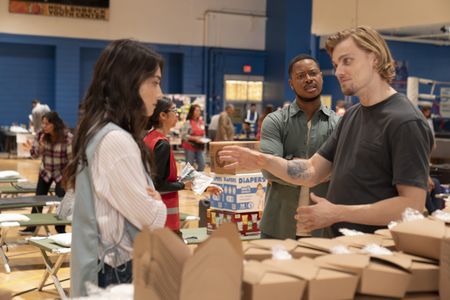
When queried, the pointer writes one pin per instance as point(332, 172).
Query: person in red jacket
point(166, 180)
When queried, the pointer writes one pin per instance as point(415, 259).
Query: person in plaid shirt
point(54, 144)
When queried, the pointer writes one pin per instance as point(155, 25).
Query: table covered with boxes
point(408, 261)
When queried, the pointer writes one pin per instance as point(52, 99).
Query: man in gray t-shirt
point(37, 112)
point(377, 157)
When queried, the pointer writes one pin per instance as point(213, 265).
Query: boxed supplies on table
point(241, 192)
point(217, 166)
point(247, 222)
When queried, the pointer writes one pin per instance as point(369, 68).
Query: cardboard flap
point(256, 272)
point(353, 263)
point(402, 262)
point(295, 267)
point(384, 232)
point(142, 257)
point(360, 241)
point(322, 244)
point(424, 227)
point(215, 269)
point(416, 258)
point(229, 232)
point(269, 243)
point(444, 270)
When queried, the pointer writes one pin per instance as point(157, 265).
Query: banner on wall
point(85, 9)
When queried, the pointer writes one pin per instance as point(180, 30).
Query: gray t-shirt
point(373, 149)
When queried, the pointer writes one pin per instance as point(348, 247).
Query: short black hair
point(299, 58)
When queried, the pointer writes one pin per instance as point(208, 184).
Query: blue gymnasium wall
point(423, 60)
point(25, 74)
point(288, 33)
point(58, 71)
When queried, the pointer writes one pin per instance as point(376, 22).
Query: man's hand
point(319, 215)
point(154, 194)
point(242, 157)
point(430, 184)
point(214, 189)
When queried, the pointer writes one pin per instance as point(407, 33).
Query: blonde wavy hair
point(369, 40)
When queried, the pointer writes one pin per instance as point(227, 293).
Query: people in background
point(295, 131)
point(38, 110)
point(164, 118)
point(369, 155)
point(340, 108)
point(53, 144)
point(267, 110)
point(193, 135)
point(225, 130)
point(246, 132)
point(251, 118)
point(110, 170)
point(426, 111)
point(213, 125)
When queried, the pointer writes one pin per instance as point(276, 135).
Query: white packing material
point(9, 174)
point(13, 218)
point(63, 239)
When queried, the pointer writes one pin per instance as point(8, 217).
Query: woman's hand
point(214, 189)
point(41, 143)
point(154, 194)
point(188, 185)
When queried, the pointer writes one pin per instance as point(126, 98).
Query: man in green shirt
point(296, 131)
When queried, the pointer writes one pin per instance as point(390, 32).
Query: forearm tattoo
point(298, 169)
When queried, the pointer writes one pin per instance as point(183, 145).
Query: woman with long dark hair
point(54, 144)
point(114, 194)
point(192, 133)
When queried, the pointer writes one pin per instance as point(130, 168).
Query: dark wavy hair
point(58, 126)
point(190, 114)
point(162, 105)
point(113, 96)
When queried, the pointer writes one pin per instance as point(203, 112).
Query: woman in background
point(54, 144)
point(193, 132)
point(114, 194)
point(164, 118)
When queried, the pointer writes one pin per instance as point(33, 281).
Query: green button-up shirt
point(284, 133)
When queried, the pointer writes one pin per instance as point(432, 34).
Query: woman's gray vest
point(84, 263)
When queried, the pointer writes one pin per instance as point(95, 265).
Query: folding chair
point(46, 246)
point(35, 220)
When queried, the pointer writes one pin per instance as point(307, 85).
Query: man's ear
point(290, 84)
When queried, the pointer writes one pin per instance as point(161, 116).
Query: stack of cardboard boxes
point(242, 200)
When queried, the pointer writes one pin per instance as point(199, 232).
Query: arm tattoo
point(298, 169)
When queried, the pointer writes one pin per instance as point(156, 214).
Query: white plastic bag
point(65, 208)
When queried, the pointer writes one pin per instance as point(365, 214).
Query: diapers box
point(241, 192)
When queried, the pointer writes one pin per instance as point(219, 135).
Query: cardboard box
point(5, 295)
point(420, 237)
point(410, 296)
point(218, 167)
point(164, 268)
point(360, 241)
point(262, 249)
point(241, 192)
point(444, 275)
point(385, 276)
point(323, 283)
point(246, 222)
point(264, 282)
